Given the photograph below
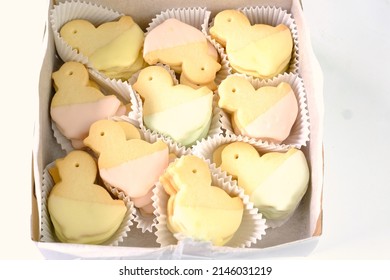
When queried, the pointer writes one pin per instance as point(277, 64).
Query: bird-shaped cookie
point(133, 165)
point(195, 207)
point(78, 103)
point(259, 50)
point(114, 48)
point(80, 210)
point(178, 111)
point(267, 113)
point(275, 181)
point(184, 48)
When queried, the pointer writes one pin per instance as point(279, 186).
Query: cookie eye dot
point(234, 90)
point(102, 133)
point(150, 78)
point(236, 156)
point(194, 171)
point(202, 68)
point(74, 31)
point(76, 165)
point(229, 20)
point(70, 73)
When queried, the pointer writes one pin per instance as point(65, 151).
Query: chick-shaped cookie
point(195, 207)
point(267, 113)
point(133, 165)
point(178, 111)
point(275, 181)
point(184, 48)
point(77, 103)
point(80, 210)
point(259, 50)
point(114, 48)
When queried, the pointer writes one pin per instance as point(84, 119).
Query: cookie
point(195, 207)
point(131, 165)
point(78, 102)
point(177, 111)
point(260, 50)
point(80, 210)
point(275, 181)
point(113, 48)
point(267, 113)
point(184, 48)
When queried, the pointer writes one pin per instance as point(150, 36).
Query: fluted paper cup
point(47, 233)
point(300, 131)
point(250, 231)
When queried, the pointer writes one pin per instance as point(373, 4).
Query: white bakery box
point(297, 237)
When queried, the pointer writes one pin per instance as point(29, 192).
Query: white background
point(351, 40)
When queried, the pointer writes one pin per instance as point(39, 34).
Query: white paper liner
point(47, 233)
point(67, 11)
point(271, 16)
point(216, 123)
point(199, 18)
point(147, 222)
point(300, 131)
point(120, 89)
point(252, 226)
point(206, 148)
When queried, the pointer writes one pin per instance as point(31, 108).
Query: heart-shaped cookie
point(81, 211)
point(114, 48)
point(260, 50)
point(178, 111)
point(195, 207)
point(78, 102)
point(275, 182)
point(267, 113)
point(132, 165)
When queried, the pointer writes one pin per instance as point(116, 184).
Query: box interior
point(303, 225)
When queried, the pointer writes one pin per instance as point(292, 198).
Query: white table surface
point(351, 40)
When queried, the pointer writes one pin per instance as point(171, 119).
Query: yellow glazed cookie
point(195, 207)
point(113, 48)
point(267, 113)
point(81, 211)
point(184, 48)
point(132, 165)
point(275, 182)
point(178, 111)
point(78, 103)
point(259, 50)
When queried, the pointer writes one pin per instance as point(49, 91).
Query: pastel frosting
point(195, 207)
point(184, 48)
point(178, 111)
point(81, 211)
point(259, 50)
point(275, 181)
point(266, 113)
point(132, 165)
point(114, 48)
point(77, 103)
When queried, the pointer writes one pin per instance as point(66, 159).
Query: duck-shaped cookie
point(78, 103)
point(114, 48)
point(259, 50)
point(195, 207)
point(267, 113)
point(133, 165)
point(275, 181)
point(80, 210)
point(184, 48)
point(178, 111)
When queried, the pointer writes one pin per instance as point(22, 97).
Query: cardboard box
point(298, 237)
